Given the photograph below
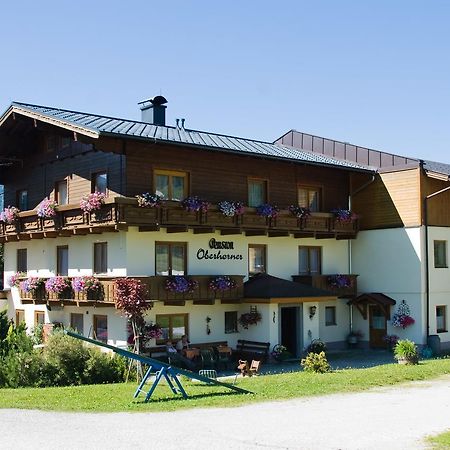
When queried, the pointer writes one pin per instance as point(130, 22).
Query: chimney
point(154, 110)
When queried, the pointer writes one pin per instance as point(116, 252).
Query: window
point(65, 141)
point(99, 182)
point(231, 322)
point(171, 185)
point(39, 318)
point(310, 260)
point(22, 199)
point(101, 257)
point(77, 322)
point(330, 315)
point(20, 316)
point(440, 254)
point(173, 326)
point(62, 260)
point(22, 265)
point(52, 143)
point(61, 193)
point(170, 258)
point(309, 197)
point(256, 259)
point(101, 328)
point(257, 192)
point(441, 322)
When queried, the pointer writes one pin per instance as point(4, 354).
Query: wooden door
point(377, 327)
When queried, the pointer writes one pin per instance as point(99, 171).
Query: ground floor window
point(441, 322)
point(101, 328)
point(39, 318)
point(20, 316)
point(231, 322)
point(77, 322)
point(330, 315)
point(173, 326)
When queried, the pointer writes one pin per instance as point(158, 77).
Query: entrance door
point(290, 329)
point(377, 326)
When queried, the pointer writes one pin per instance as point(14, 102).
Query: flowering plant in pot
point(280, 353)
point(339, 281)
point(195, 204)
point(405, 352)
point(148, 200)
point(391, 340)
point(92, 202)
point(180, 284)
point(344, 215)
point(60, 286)
point(402, 318)
point(251, 318)
point(222, 283)
point(267, 210)
point(9, 215)
point(33, 285)
point(299, 211)
point(88, 285)
point(231, 209)
point(47, 209)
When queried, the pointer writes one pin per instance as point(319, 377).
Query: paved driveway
point(384, 418)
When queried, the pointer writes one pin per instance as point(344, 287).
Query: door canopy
point(375, 298)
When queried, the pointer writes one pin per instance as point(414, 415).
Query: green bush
point(406, 350)
point(316, 362)
point(102, 368)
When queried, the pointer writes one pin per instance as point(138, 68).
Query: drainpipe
point(427, 265)
point(349, 241)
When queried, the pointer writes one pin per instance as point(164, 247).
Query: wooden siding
point(438, 206)
point(392, 200)
point(219, 176)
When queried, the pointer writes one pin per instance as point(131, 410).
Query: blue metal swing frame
point(161, 370)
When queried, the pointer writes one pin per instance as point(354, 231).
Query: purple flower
point(181, 285)
point(148, 200)
point(231, 209)
point(339, 281)
point(47, 209)
point(9, 214)
point(32, 284)
point(267, 210)
point(58, 284)
point(344, 215)
point(195, 204)
point(92, 202)
point(222, 283)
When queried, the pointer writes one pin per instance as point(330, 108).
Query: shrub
point(102, 368)
point(316, 362)
point(316, 346)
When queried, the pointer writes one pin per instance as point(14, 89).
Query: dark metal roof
point(437, 167)
point(95, 126)
point(373, 297)
point(267, 286)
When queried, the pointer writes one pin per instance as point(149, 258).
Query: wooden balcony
point(119, 213)
point(156, 289)
point(328, 283)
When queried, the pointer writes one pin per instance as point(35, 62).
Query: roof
point(268, 286)
point(433, 168)
point(373, 297)
point(95, 126)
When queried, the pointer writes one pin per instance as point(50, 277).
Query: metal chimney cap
point(158, 100)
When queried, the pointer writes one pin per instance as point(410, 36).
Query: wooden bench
point(252, 350)
point(159, 351)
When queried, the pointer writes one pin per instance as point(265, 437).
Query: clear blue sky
point(374, 73)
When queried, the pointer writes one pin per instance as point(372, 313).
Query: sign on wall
point(222, 250)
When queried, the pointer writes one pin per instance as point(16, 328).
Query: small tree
point(130, 299)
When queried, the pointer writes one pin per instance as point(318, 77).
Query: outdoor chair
point(248, 370)
point(208, 359)
point(223, 355)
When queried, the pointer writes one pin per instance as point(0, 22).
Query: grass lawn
point(441, 441)
point(119, 397)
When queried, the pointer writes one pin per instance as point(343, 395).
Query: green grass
point(118, 397)
point(441, 441)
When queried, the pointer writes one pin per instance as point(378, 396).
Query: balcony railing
point(340, 285)
point(121, 212)
point(156, 289)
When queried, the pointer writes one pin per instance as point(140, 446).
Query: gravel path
point(383, 418)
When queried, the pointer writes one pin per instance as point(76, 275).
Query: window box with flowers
point(148, 200)
point(92, 202)
point(34, 286)
point(46, 211)
point(59, 288)
point(250, 318)
point(221, 286)
point(88, 288)
point(16, 279)
point(9, 215)
point(195, 204)
point(180, 285)
point(339, 281)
